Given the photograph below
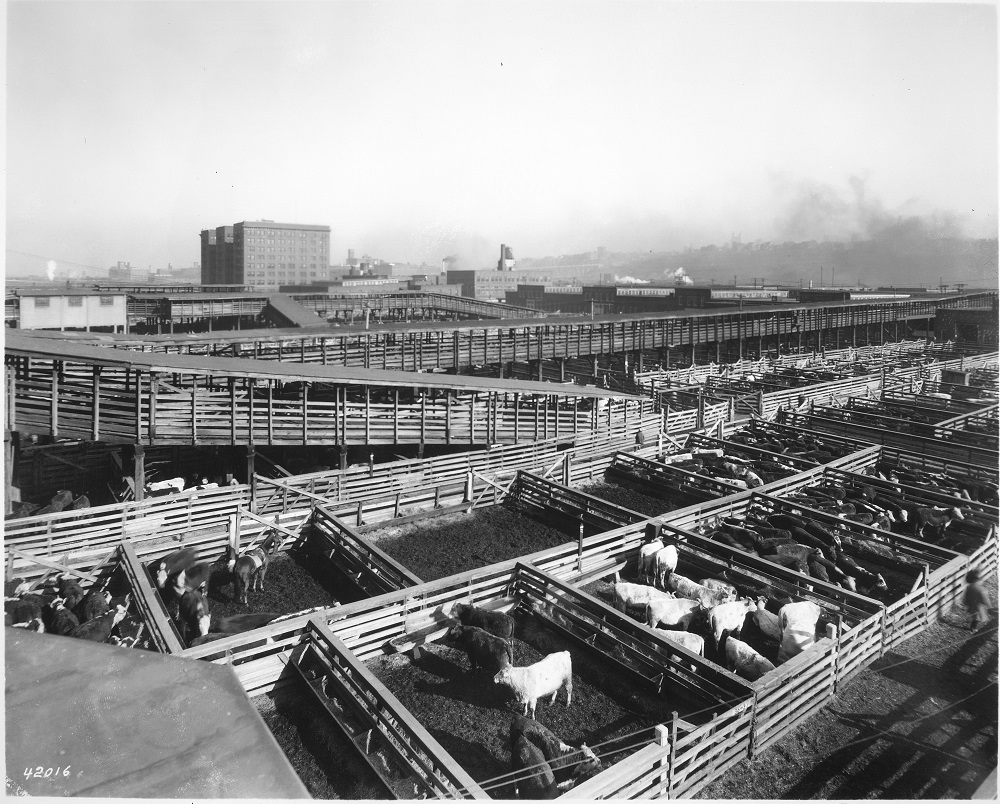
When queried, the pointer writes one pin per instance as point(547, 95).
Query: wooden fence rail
point(434, 769)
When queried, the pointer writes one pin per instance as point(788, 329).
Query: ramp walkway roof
point(240, 367)
point(133, 724)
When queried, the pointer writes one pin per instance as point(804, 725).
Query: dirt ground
point(292, 584)
point(442, 546)
point(921, 722)
point(633, 497)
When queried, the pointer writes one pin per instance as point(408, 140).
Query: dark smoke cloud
point(818, 211)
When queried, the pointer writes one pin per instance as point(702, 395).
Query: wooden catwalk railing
point(437, 345)
point(112, 404)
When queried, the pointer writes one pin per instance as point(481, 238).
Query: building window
point(107, 301)
point(41, 301)
point(76, 301)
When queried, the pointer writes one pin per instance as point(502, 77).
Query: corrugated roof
point(239, 367)
point(133, 724)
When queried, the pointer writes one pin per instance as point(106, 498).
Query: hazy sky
point(417, 130)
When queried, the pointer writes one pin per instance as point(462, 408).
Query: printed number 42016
point(39, 772)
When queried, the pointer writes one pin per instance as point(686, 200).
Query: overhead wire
point(885, 733)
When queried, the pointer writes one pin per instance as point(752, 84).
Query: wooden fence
point(201, 519)
point(434, 772)
point(824, 426)
point(376, 572)
point(53, 397)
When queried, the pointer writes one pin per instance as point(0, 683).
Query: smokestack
point(506, 262)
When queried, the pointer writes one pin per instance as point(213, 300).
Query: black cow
point(70, 591)
point(934, 519)
point(61, 620)
point(99, 629)
point(534, 779)
point(485, 650)
point(193, 616)
point(162, 568)
point(493, 622)
point(95, 603)
point(568, 765)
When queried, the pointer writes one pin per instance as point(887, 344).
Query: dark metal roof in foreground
point(240, 367)
point(133, 724)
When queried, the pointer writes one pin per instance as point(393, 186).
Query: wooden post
point(663, 740)
point(54, 401)
point(8, 471)
point(234, 531)
point(252, 476)
point(447, 417)
point(579, 548)
point(139, 472)
point(154, 390)
point(232, 410)
point(305, 413)
point(468, 487)
point(95, 429)
point(251, 385)
point(11, 397)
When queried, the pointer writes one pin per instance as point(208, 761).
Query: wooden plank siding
point(377, 572)
point(439, 773)
point(247, 411)
point(792, 693)
point(160, 626)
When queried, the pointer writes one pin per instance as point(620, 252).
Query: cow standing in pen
point(545, 677)
point(251, 567)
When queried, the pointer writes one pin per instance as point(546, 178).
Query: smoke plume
point(630, 280)
point(818, 211)
point(50, 270)
point(679, 276)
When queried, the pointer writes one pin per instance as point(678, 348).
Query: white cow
point(647, 556)
point(637, 594)
point(693, 642)
point(798, 628)
point(530, 683)
point(745, 661)
point(729, 617)
point(671, 613)
point(685, 587)
point(664, 563)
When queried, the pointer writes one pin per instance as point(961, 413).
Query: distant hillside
point(913, 262)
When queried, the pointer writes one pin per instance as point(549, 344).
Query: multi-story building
point(265, 254)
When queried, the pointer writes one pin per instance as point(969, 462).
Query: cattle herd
point(707, 616)
point(58, 605)
point(183, 583)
